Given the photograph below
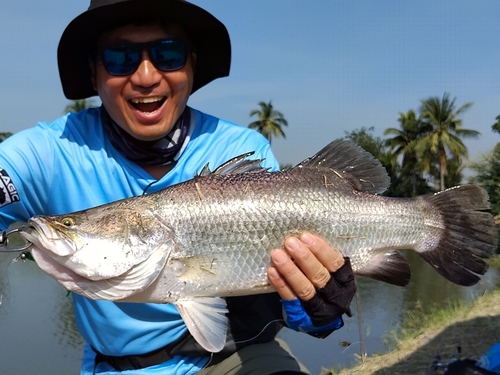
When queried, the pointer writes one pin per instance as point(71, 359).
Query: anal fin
point(390, 267)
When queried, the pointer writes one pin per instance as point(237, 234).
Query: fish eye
point(68, 222)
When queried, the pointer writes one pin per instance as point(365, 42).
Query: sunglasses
point(123, 59)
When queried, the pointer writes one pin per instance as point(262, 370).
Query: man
point(144, 58)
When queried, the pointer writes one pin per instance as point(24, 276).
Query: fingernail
point(292, 243)
point(279, 257)
point(306, 238)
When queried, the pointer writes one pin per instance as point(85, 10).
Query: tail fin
point(468, 237)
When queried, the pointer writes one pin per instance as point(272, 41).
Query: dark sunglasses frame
point(157, 51)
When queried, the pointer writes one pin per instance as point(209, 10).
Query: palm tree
point(444, 133)
point(79, 105)
point(270, 121)
point(403, 143)
point(487, 174)
point(4, 136)
point(496, 126)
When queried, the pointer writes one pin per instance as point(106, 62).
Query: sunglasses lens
point(121, 60)
point(168, 55)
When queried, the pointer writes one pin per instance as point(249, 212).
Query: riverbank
point(474, 327)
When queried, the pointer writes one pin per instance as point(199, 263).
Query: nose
point(146, 74)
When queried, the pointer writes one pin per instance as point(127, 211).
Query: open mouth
point(148, 105)
point(48, 238)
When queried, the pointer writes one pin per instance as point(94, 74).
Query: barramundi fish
point(211, 237)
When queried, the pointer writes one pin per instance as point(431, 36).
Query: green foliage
point(285, 167)
point(441, 137)
point(488, 176)
point(409, 181)
point(496, 126)
point(79, 105)
point(402, 184)
point(426, 151)
point(270, 121)
point(4, 136)
point(363, 138)
point(424, 154)
point(430, 147)
point(454, 175)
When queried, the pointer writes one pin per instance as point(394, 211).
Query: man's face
point(147, 102)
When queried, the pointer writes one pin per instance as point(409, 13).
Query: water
point(38, 335)
point(382, 308)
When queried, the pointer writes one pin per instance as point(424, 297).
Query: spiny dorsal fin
point(238, 164)
point(353, 163)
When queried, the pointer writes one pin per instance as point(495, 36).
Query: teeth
point(147, 100)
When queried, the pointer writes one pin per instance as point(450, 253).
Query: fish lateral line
point(350, 237)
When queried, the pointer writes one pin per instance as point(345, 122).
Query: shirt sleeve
point(297, 319)
point(26, 174)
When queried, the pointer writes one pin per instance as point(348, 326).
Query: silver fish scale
point(226, 226)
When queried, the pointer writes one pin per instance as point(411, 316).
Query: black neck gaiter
point(160, 152)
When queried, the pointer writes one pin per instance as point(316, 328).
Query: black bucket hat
point(208, 35)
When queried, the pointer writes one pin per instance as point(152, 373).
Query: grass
point(423, 335)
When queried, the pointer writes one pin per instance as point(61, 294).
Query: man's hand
point(312, 271)
point(304, 267)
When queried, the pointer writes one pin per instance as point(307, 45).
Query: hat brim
point(207, 34)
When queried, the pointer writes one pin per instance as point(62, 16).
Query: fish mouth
point(48, 237)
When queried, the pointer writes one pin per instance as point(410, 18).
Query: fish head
point(99, 243)
point(54, 234)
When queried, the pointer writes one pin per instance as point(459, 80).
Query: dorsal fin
point(353, 163)
point(238, 164)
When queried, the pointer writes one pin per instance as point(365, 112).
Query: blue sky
point(329, 66)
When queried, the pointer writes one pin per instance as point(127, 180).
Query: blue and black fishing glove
point(322, 314)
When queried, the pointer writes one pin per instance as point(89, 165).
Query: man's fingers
point(304, 267)
point(326, 255)
point(280, 284)
point(306, 260)
point(297, 284)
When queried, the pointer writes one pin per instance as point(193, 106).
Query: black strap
point(135, 362)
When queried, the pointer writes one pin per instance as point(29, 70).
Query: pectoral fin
point(206, 320)
point(131, 282)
